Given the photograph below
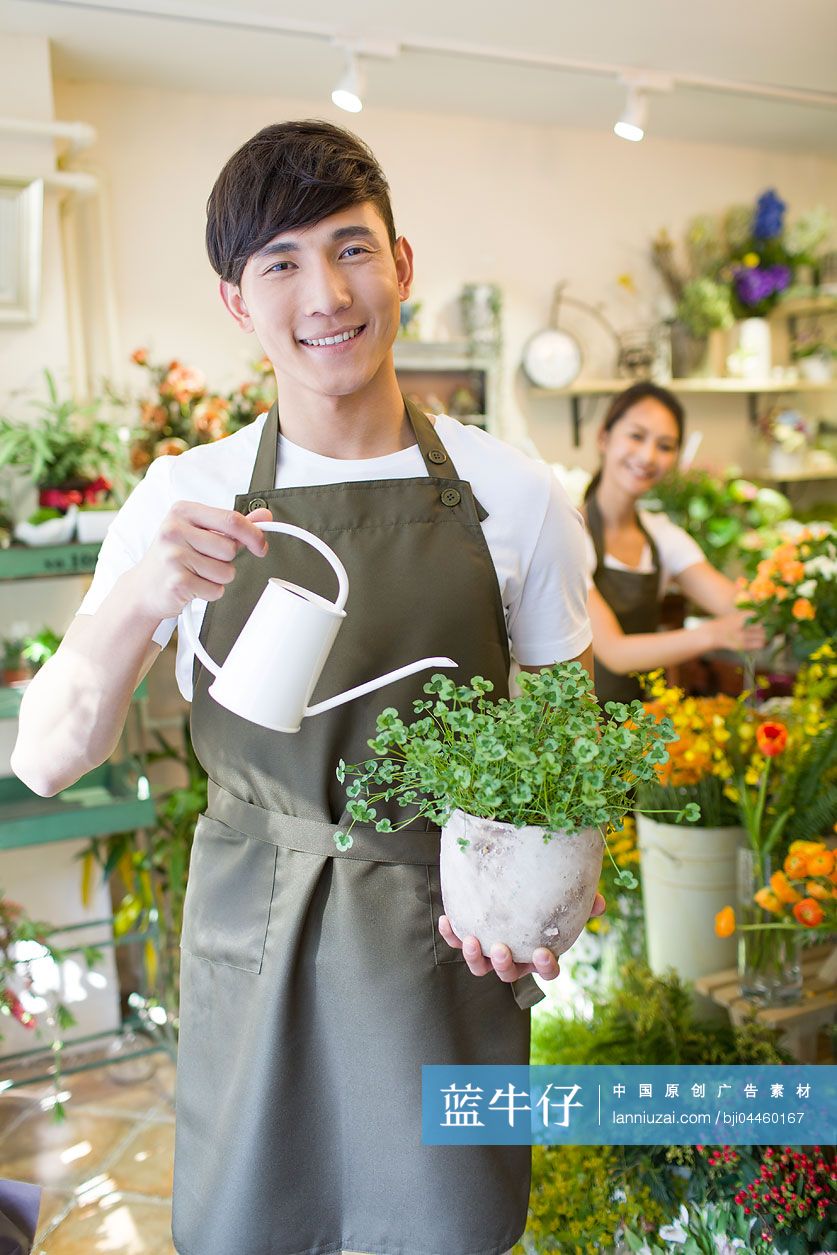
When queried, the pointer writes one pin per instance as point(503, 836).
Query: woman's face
point(640, 447)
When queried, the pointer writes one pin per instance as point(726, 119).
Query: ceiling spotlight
point(348, 94)
point(631, 125)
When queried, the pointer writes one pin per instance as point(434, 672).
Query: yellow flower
point(751, 260)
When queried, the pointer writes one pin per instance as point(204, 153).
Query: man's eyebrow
point(341, 233)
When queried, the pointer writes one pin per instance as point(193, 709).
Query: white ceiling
point(239, 48)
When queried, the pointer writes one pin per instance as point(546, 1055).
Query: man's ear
point(235, 303)
point(403, 254)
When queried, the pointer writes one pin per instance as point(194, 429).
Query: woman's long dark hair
point(625, 401)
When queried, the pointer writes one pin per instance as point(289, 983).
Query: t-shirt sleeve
point(677, 549)
point(549, 622)
point(129, 537)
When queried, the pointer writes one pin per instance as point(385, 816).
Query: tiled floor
point(106, 1171)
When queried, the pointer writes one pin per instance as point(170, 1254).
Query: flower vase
point(769, 969)
point(752, 356)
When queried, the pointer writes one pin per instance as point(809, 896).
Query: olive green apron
point(314, 983)
point(633, 596)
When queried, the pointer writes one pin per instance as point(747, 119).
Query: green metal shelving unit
point(113, 798)
point(22, 562)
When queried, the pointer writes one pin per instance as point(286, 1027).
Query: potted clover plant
point(523, 789)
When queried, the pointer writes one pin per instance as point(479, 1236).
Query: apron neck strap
point(595, 526)
point(264, 467)
point(435, 456)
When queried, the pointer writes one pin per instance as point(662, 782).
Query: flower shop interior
point(596, 196)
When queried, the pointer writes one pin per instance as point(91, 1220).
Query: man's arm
point(74, 710)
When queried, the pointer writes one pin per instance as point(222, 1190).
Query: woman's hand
point(193, 556)
point(544, 962)
point(732, 631)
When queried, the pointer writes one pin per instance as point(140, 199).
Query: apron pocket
point(228, 896)
point(442, 952)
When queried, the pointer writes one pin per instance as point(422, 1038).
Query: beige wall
point(519, 205)
point(26, 93)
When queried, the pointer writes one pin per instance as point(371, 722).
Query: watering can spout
point(423, 664)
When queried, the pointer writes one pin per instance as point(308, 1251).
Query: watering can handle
point(187, 614)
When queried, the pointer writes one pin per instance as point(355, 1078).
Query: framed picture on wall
point(21, 236)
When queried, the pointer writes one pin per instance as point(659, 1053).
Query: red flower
point(772, 738)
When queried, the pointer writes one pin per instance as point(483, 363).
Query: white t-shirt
point(534, 535)
point(676, 550)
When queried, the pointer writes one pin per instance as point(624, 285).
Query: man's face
point(324, 301)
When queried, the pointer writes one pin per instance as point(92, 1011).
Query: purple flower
point(758, 283)
point(753, 285)
point(769, 216)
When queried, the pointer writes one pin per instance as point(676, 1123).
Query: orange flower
point(796, 866)
point(140, 356)
point(821, 863)
point(771, 738)
point(725, 922)
point(767, 900)
point(815, 890)
point(809, 913)
point(783, 889)
point(802, 609)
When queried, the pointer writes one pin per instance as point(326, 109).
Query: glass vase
point(769, 969)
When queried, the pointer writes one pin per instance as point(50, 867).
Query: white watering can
point(272, 669)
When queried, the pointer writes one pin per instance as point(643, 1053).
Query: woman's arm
point(645, 651)
point(708, 588)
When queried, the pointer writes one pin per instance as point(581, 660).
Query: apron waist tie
point(315, 836)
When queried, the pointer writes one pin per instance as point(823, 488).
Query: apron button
point(256, 503)
point(451, 497)
point(438, 456)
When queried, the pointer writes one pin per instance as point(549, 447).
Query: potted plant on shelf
point(523, 789)
point(15, 669)
point(73, 456)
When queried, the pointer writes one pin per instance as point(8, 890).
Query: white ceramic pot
point(752, 357)
point(786, 461)
point(688, 875)
point(92, 525)
point(510, 885)
point(817, 368)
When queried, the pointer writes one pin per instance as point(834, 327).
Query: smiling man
point(316, 982)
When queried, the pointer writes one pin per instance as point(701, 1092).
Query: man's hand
point(544, 962)
point(193, 556)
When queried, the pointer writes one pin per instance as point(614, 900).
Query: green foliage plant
point(648, 1019)
point(705, 306)
point(579, 1201)
point(65, 442)
point(23, 941)
point(548, 758)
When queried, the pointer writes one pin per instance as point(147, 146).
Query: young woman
point(635, 554)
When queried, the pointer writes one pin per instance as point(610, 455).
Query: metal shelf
point(26, 562)
point(104, 801)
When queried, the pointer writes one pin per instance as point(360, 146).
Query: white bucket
point(688, 875)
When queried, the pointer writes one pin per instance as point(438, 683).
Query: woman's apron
point(314, 983)
point(633, 596)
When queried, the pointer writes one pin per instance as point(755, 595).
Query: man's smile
point(335, 339)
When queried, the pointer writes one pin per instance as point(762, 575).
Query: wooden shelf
point(795, 477)
point(102, 802)
point(603, 387)
point(799, 1022)
point(26, 562)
